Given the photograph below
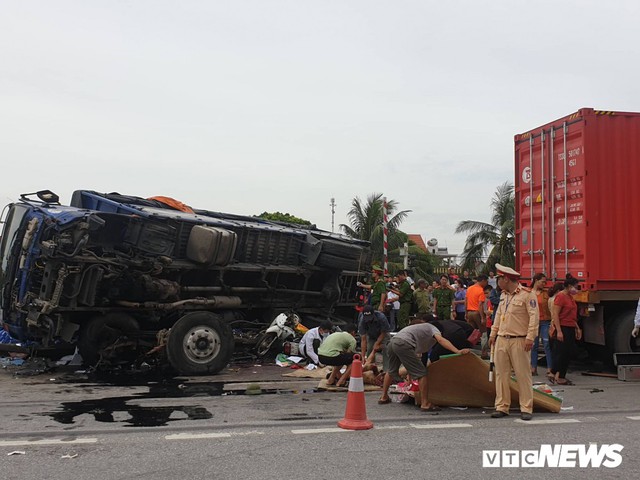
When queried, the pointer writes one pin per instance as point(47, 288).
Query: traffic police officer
point(512, 335)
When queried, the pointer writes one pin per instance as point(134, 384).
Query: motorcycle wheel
point(266, 342)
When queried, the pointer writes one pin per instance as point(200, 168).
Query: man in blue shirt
point(373, 328)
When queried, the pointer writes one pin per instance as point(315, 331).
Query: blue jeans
point(543, 332)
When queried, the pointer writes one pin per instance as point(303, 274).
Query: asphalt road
point(195, 432)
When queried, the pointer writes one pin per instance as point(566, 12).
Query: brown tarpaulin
point(463, 381)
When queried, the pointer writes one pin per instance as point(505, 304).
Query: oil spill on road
point(125, 410)
point(108, 410)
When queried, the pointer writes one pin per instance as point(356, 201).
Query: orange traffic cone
point(355, 417)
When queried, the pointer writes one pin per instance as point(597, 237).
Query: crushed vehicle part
point(111, 271)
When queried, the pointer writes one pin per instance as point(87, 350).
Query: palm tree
point(497, 237)
point(366, 223)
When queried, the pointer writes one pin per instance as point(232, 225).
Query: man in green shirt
point(405, 293)
point(338, 350)
point(443, 297)
point(422, 298)
point(378, 289)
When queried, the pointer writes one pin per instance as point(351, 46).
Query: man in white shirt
point(312, 340)
point(636, 322)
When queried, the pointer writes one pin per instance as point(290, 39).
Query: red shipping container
point(576, 199)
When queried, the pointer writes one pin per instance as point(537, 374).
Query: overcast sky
point(247, 106)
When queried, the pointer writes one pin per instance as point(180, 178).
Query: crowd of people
point(414, 323)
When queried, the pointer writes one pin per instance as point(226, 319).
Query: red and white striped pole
point(385, 232)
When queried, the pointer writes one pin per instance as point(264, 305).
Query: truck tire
point(200, 343)
point(102, 331)
point(337, 263)
point(341, 249)
point(618, 335)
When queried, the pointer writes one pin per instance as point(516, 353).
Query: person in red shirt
point(565, 320)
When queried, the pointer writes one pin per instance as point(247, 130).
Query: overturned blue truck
point(123, 276)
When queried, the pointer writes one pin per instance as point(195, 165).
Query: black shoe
point(526, 416)
point(499, 414)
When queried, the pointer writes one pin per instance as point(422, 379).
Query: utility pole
point(333, 212)
point(405, 254)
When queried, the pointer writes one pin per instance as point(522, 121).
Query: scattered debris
point(253, 389)
point(17, 452)
point(69, 456)
point(566, 408)
point(5, 337)
point(595, 390)
point(75, 359)
point(600, 374)
point(7, 361)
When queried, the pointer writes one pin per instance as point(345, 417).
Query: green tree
point(283, 217)
point(497, 237)
point(365, 223)
point(421, 263)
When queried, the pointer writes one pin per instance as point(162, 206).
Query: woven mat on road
point(332, 388)
point(304, 373)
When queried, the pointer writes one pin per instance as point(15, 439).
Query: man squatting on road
point(512, 335)
point(405, 348)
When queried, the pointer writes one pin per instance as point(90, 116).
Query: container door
point(566, 209)
point(532, 200)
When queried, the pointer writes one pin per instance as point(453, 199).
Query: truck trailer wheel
point(200, 343)
point(102, 331)
point(619, 339)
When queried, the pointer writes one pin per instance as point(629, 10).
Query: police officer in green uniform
point(443, 297)
point(406, 298)
point(378, 289)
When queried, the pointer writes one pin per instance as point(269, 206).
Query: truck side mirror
point(47, 196)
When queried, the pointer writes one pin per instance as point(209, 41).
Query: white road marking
point(633, 418)
point(547, 422)
point(53, 441)
point(319, 430)
point(441, 425)
point(391, 427)
point(193, 436)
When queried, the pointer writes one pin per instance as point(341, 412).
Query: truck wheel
point(619, 339)
point(200, 343)
point(102, 331)
point(266, 342)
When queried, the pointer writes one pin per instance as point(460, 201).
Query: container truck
point(577, 212)
point(124, 276)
